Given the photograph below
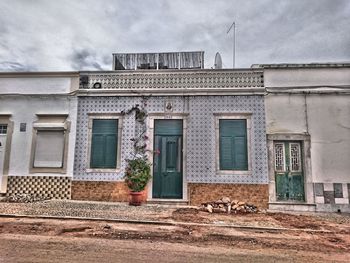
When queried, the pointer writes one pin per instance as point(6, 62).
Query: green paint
point(233, 145)
point(167, 164)
point(290, 184)
point(104, 144)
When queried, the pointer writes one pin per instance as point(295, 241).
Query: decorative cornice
point(184, 81)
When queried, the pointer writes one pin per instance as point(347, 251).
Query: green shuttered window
point(233, 145)
point(104, 143)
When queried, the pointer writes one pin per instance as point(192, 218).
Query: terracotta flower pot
point(136, 198)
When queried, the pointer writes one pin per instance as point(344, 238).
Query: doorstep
point(287, 206)
point(175, 202)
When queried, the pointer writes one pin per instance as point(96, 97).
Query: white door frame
point(172, 116)
point(5, 120)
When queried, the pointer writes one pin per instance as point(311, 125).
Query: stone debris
point(225, 205)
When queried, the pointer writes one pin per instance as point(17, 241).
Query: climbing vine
point(138, 169)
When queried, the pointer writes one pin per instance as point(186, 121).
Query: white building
point(37, 133)
point(308, 133)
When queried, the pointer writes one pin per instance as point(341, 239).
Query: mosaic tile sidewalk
point(63, 208)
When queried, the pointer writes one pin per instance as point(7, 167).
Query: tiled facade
point(200, 145)
point(201, 155)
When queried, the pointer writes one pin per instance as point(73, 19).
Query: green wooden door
point(167, 162)
point(289, 171)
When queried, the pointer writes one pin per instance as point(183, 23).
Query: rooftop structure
point(167, 60)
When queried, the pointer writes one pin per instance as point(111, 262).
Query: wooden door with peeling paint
point(289, 174)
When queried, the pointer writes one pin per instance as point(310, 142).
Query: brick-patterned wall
point(100, 191)
point(257, 194)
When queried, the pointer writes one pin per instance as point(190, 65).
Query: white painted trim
point(232, 116)
point(167, 116)
point(49, 122)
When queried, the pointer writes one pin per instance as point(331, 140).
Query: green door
point(289, 171)
point(167, 161)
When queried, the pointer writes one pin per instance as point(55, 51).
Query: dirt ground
point(311, 238)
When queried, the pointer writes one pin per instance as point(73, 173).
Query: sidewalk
point(169, 214)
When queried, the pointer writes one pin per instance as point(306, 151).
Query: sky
point(65, 35)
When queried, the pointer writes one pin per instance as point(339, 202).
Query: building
point(206, 129)
point(308, 136)
point(276, 135)
point(37, 133)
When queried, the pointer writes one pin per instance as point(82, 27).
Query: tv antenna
point(233, 42)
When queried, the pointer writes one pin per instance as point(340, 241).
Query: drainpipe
point(306, 113)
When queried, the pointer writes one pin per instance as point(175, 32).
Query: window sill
point(103, 170)
point(227, 172)
point(47, 170)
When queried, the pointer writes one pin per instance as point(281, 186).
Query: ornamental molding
point(181, 81)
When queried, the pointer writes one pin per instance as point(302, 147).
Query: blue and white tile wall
point(200, 134)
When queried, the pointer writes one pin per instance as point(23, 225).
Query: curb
point(166, 223)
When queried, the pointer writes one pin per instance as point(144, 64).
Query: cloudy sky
point(47, 35)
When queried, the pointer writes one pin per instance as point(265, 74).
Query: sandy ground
point(43, 240)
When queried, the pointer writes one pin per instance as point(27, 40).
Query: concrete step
point(175, 202)
point(288, 206)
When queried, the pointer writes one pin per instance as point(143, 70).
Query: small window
point(49, 149)
point(50, 144)
point(3, 128)
point(233, 152)
point(104, 142)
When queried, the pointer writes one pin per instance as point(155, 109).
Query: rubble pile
point(225, 205)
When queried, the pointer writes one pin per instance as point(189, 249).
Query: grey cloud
point(15, 66)
point(85, 60)
point(83, 34)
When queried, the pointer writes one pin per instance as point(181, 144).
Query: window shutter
point(233, 145)
point(226, 157)
point(97, 151)
point(104, 143)
point(49, 149)
point(240, 153)
point(110, 151)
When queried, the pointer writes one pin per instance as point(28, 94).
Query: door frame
point(305, 141)
point(5, 119)
point(173, 116)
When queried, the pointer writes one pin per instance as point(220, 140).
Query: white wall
point(299, 77)
point(48, 96)
point(325, 116)
point(23, 110)
point(329, 127)
point(38, 84)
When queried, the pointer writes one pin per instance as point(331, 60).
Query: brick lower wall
point(257, 194)
point(100, 191)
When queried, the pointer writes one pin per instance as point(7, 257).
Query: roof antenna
point(234, 42)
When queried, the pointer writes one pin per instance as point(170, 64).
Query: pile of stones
point(24, 198)
point(225, 205)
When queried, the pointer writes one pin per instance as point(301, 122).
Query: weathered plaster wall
point(326, 117)
point(23, 109)
point(37, 85)
point(301, 77)
point(329, 127)
point(315, 102)
point(201, 155)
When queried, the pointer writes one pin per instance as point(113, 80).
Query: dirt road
point(42, 240)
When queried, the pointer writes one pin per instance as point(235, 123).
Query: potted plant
point(138, 168)
point(137, 175)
